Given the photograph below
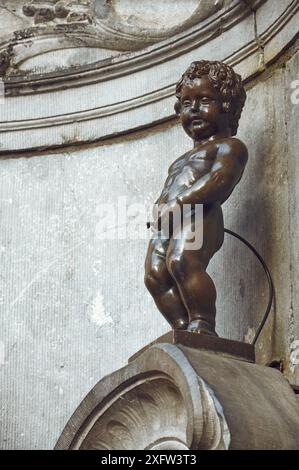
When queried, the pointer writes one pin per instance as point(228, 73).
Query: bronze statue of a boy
point(210, 101)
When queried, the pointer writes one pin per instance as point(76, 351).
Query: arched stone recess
point(95, 81)
point(158, 402)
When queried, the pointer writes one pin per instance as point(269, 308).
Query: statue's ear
point(178, 107)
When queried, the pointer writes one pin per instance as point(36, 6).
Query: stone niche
point(88, 101)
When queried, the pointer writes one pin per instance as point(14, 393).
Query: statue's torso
point(186, 170)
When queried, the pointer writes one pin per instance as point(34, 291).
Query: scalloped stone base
point(173, 396)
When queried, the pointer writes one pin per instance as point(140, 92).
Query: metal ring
point(269, 278)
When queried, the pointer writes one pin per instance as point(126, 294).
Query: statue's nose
point(195, 106)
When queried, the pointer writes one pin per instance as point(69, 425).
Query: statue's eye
point(206, 100)
point(186, 102)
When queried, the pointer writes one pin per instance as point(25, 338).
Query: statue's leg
point(162, 286)
point(188, 269)
point(196, 289)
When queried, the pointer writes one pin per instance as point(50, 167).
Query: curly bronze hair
point(225, 80)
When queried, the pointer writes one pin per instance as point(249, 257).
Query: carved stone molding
point(152, 413)
point(110, 35)
point(176, 397)
point(153, 410)
point(122, 24)
point(147, 22)
point(124, 17)
point(59, 11)
point(5, 58)
point(105, 27)
point(124, 92)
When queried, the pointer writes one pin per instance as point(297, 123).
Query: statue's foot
point(202, 327)
point(180, 324)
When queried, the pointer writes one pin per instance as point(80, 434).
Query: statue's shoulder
point(235, 148)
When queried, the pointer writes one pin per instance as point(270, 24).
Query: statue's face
point(201, 111)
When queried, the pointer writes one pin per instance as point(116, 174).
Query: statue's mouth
point(197, 122)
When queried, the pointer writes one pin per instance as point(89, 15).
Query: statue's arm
point(221, 180)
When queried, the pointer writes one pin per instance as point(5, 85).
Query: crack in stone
point(258, 39)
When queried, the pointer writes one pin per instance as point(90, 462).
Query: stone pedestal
point(173, 396)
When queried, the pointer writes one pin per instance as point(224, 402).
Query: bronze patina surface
point(210, 98)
